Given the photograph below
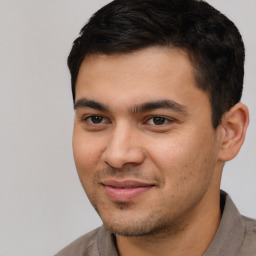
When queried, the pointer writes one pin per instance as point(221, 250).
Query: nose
point(123, 148)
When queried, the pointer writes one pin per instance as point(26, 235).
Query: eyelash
point(87, 118)
point(160, 119)
point(163, 120)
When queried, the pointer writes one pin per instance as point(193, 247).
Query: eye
point(94, 119)
point(158, 120)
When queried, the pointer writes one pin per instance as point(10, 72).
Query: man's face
point(144, 145)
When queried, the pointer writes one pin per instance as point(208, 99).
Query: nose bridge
point(123, 146)
point(122, 134)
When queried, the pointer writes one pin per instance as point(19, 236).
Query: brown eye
point(158, 120)
point(95, 119)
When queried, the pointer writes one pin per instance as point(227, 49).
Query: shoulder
point(236, 234)
point(84, 245)
point(248, 243)
point(250, 231)
point(250, 224)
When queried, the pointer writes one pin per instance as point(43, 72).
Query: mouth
point(126, 190)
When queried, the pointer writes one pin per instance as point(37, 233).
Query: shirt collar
point(229, 236)
point(106, 243)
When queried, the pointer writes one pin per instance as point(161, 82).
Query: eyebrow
point(85, 103)
point(165, 104)
point(140, 108)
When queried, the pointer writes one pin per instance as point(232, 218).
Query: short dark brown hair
point(212, 41)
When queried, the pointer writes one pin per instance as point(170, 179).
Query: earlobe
point(234, 125)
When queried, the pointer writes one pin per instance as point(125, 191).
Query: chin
point(127, 231)
point(147, 226)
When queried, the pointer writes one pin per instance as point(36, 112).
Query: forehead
point(151, 73)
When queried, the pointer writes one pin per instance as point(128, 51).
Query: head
point(156, 86)
point(213, 43)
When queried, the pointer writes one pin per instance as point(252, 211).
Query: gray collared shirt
point(236, 236)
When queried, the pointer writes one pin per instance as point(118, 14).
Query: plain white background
point(43, 206)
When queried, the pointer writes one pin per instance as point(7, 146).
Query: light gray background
point(43, 206)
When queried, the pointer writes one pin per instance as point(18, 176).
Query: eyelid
point(167, 120)
point(88, 116)
point(86, 120)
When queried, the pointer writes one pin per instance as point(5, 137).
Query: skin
point(119, 136)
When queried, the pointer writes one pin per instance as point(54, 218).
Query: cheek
point(182, 159)
point(170, 153)
point(87, 152)
point(186, 170)
point(86, 156)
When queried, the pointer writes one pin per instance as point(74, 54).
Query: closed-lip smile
point(125, 190)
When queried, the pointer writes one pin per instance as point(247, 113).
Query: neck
point(189, 235)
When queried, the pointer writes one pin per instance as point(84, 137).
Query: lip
point(125, 190)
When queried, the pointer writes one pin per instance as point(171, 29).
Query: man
point(156, 87)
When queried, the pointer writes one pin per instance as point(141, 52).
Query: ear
point(233, 129)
